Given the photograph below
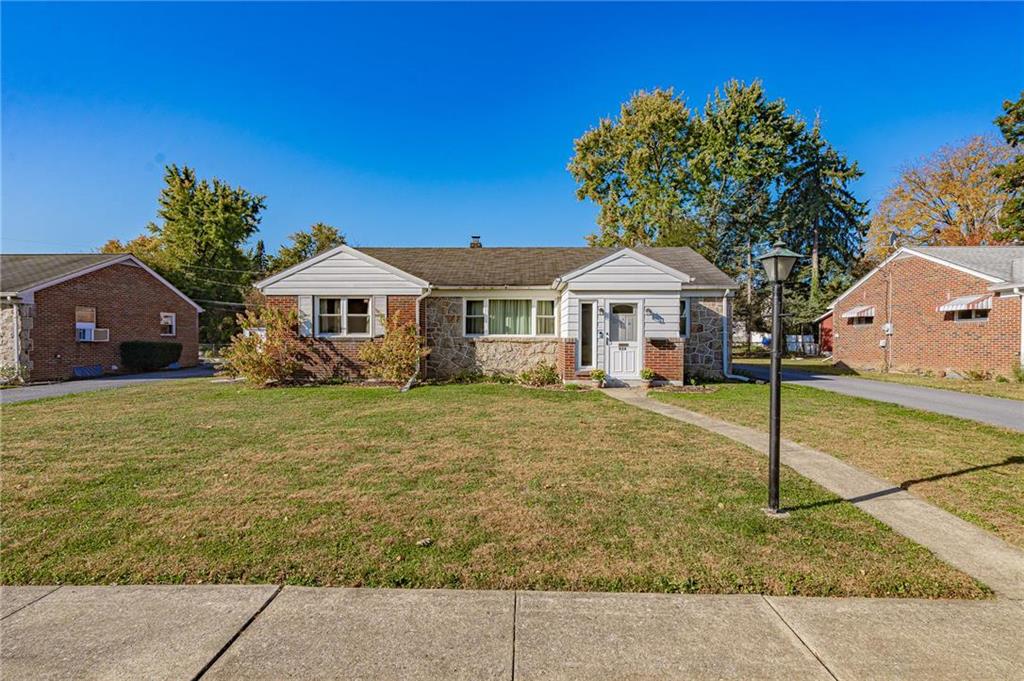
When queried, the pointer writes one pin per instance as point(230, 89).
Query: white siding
point(343, 274)
point(625, 273)
point(660, 310)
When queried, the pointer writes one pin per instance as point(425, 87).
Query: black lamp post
point(778, 263)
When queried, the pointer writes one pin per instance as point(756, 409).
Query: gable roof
point(24, 273)
point(994, 261)
point(19, 272)
point(490, 267)
point(995, 264)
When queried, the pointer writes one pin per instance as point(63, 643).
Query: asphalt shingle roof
point(498, 267)
point(19, 272)
point(995, 261)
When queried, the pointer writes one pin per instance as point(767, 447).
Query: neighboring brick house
point(66, 315)
point(504, 310)
point(935, 309)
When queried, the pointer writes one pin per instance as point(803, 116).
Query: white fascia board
point(682, 276)
point(126, 258)
point(334, 251)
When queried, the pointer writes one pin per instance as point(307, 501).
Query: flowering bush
point(397, 355)
point(266, 352)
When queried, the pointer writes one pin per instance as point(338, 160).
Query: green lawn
point(972, 470)
point(516, 488)
point(1010, 389)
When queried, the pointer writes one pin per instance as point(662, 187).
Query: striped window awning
point(979, 302)
point(860, 311)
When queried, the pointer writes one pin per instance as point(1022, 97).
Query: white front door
point(623, 341)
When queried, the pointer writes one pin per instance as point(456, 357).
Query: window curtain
point(509, 317)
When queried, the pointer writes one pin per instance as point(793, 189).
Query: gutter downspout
point(727, 343)
point(413, 379)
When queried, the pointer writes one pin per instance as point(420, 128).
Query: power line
point(219, 302)
point(223, 269)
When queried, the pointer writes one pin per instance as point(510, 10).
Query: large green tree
point(198, 243)
point(1011, 124)
point(636, 169)
point(304, 245)
point(726, 182)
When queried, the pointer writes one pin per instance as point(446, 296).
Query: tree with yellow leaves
point(951, 198)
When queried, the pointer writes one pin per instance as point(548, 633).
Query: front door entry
point(623, 341)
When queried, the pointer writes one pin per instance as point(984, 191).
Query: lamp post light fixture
point(778, 264)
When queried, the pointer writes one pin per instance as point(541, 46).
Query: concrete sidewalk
point(264, 632)
point(963, 545)
point(994, 411)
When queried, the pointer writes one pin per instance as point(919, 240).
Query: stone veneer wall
point(451, 353)
point(704, 345)
point(8, 323)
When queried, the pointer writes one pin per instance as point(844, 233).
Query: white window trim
point(174, 324)
point(344, 317)
point(487, 317)
point(595, 310)
point(689, 317)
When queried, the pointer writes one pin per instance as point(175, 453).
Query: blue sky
point(420, 124)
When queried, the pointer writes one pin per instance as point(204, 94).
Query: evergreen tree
point(819, 214)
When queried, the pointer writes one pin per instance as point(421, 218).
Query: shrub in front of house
point(540, 375)
point(267, 351)
point(396, 356)
point(149, 355)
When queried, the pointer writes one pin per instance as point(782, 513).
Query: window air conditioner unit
point(88, 335)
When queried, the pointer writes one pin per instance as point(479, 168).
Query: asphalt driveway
point(991, 410)
point(36, 392)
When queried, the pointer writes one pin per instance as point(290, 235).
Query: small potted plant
point(598, 376)
point(648, 374)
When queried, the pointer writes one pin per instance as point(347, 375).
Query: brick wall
point(665, 357)
point(924, 339)
point(339, 358)
point(567, 359)
point(128, 302)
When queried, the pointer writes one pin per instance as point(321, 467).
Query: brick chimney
point(474, 241)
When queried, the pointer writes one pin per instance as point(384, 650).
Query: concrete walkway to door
point(967, 547)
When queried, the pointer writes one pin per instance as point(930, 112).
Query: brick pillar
point(665, 357)
point(567, 358)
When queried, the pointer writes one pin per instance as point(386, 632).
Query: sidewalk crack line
point(515, 624)
point(238, 633)
point(799, 638)
point(34, 600)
